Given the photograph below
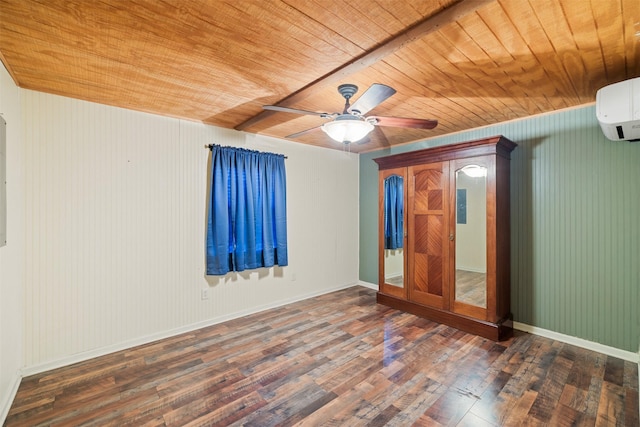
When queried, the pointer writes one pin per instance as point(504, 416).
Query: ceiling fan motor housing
point(347, 90)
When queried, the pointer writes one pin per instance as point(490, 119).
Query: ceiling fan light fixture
point(347, 130)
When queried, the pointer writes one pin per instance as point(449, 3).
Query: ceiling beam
point(421, 29)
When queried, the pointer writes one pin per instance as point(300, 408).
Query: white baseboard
point(368, 285)
point(579, 342)
point(81, 357)
point(5, 403)
point(471, 269)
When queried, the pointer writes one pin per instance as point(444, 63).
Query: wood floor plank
point(592, 399)
point(335, 360)
point(630, 376)
point(227, 414)
point(325, 414)
point(309, 409)
point(383, 405)
point(384, 416)
point(472, 420)
point(611, 409)
point(632, 408)
point(582, 370)
point(493, 405)
point(573, 397)
point(521, 408)
point(566, 416)
point(614, 371)
point(451, 407)
point(284, 403)
point(417, 401)
point(103, 412)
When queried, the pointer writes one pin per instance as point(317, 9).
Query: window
point(247, 219)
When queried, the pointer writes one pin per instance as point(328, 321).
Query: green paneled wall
point(575, 225)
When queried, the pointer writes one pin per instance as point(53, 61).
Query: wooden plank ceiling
point(466, 63)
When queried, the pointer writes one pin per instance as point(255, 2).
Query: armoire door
point(472, 223)
point(392, 232)
point(428, 242)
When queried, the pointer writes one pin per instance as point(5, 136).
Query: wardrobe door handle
point(451, 237)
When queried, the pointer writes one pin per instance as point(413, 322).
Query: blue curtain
point(247, 221)
point(393, 212)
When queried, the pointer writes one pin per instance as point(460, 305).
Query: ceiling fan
point(352, 125)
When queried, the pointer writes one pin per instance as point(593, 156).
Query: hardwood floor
point(336, 360)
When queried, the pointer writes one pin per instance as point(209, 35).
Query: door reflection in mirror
point(394, 230)
point(471, 236)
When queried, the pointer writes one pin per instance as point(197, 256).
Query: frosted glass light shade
point(346, 131)
point(475, 171)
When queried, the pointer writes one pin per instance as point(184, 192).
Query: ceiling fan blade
point(294, 110)
point(401, 122)
point(303, 132)
point(373, 96)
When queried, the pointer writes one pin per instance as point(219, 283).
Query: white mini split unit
point(618, 110)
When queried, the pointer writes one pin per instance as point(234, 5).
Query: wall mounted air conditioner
point(618, 110)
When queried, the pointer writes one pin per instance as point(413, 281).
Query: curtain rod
point(211, 145)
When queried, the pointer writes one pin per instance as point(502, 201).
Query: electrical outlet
point(204, 293)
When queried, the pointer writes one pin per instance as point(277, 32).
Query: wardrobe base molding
point(499, 331)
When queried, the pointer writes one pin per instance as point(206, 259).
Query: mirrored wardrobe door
point(392, 232)
point(471, 235)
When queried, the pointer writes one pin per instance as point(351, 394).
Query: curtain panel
point(247, 218)
point(393, 212)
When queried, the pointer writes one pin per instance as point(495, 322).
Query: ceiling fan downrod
point(347, 91)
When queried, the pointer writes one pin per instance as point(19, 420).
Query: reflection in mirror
point(394, 231)
point(471, 235)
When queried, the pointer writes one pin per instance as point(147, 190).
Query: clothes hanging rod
point(211, 145)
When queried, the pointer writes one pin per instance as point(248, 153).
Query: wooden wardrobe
point(444, 245)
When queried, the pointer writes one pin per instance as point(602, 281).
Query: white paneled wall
point(12, 254)
point(115, 208)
